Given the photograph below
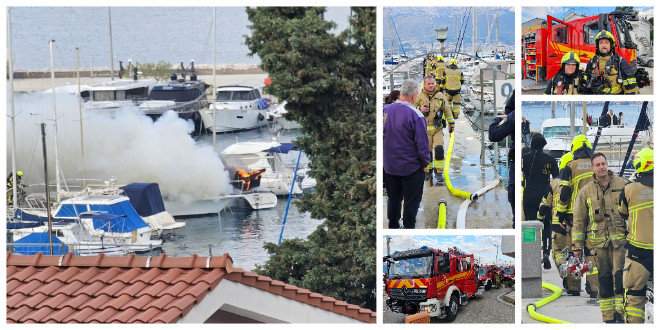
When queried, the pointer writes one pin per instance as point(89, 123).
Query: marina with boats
point(115, 134)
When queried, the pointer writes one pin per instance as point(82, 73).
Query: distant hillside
point(419, 24)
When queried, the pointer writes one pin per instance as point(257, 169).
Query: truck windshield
point(419, 267)
point(625, 39)
point(508, 271)
point(483, 271)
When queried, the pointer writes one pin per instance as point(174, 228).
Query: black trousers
point(408, 189)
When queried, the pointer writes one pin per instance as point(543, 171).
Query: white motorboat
point(116, 93)
point(265, 157)
point(237, 107)
point(279, 115)
point(557, 135)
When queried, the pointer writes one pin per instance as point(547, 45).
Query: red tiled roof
point(132, 289)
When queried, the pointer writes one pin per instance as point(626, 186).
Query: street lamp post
point(496, 251)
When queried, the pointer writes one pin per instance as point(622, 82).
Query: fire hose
point(469, 198)
point(531, 308)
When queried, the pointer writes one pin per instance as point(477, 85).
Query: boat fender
point(261, 117)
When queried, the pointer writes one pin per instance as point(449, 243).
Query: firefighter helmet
point(453, 61)
point(605, 34)
point(578, 142)
point(440, 58)
point(19, 173)
point(643, 161)
point(570, 58)
point(567, 157)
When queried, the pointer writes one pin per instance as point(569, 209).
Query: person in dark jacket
point(537, 167)
point(501, 127)
point(525, 131)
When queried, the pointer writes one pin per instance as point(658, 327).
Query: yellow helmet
point(643, 161)
point(578, 142)
point(440, 58)
point(453, 61)
point(567, 157)
point(570, 58)
point(605, 34)
point(19, 173)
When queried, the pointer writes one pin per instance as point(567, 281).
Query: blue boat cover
point(284, 148)
point(126, 218)
point(145, 198)
point(39, 239)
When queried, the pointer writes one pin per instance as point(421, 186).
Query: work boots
point(546, 260)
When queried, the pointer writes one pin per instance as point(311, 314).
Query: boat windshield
point(235, 96)
point(508, 271)
point(417, 267)
point(176, 95)
point(554, 131)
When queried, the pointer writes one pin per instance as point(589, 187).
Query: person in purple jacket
point(406, 155)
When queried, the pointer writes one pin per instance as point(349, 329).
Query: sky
point(483, 246)
point(528, 13)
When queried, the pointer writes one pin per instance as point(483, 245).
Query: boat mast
point(474, 32)
point(112, 61)
point(10, 60)
point(215, 83)
point(82, 138)
point(57, 159)
point(389, 29)
point(48, 214)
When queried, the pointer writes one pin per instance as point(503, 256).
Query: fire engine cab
point(430, 280)
point(487, 275)
point(544, 45)
point(509, 275)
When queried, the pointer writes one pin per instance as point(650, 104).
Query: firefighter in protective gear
point(440, 67)
point(560, 231)
point(20, 189)
point(433, 104)
point(574, 176)
point(636, 205)
point(453, 80)
point(607, 72)
point(429, 66)
point(596, 219)
point(568, 81)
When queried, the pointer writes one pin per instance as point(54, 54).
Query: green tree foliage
point(160, 71)
point(326, 80)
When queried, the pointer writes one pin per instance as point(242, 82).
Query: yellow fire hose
point(442, 214)
point(531, 308)
point(455, 192)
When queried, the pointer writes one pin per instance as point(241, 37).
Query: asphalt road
point(489, 308)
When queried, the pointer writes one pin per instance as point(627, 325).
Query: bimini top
point(145, 198)
point(109, 213)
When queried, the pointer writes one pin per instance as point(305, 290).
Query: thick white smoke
point(123, 144)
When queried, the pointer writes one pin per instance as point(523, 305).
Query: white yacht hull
point(228, 120)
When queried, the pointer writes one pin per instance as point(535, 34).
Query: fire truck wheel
point(452, 309)
point(489, 285)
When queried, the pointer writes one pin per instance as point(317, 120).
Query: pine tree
point(327, 81)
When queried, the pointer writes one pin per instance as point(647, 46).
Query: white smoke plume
point(123, 144)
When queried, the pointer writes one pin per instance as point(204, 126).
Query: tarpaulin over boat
point(128, 219)
point(40, 241)
point(283, 148)
point(145, 198)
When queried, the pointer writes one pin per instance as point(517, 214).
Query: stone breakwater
point(105, 72)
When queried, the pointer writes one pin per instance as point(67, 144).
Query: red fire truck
point(508, 275)
point(487, 276)
point(544, 47)
point(430, 280)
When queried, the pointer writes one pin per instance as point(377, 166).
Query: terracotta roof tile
point(129, 276)
point(97, 301)
point(142, 303)
point(54, 301)
point(17, 314)
point(161, 302)
point(60, 315)
point(39, 315)
point(70, 289)
point(133, 289)
point(169, 276)
point(67, 275)
point(124, 316)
